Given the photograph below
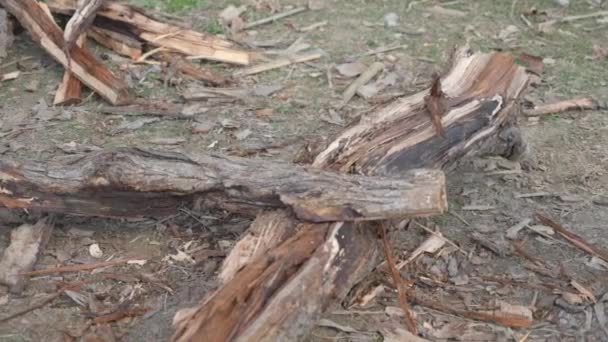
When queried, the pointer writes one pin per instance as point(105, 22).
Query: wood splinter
point(435, 104)
point(81, 62)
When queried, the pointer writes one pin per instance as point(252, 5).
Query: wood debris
point(365, 77)
point(27, 243)
point(398, 282)
point(136, 23)
point(80, 62)
point(278, 63)
point(580, 104)
point(435, 104)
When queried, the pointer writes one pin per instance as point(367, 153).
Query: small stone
point(391, 19)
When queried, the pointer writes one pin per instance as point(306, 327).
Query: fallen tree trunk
point(481, 96)
point(111, 183)
point(135, 22)
point(81, 62)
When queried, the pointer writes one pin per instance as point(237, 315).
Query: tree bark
point(81, 63)
point(129, 181)
point(481, 90)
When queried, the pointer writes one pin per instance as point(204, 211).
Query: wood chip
point(365, 77)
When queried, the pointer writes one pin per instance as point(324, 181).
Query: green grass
point(181, 5)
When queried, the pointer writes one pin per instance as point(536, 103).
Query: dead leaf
point(431, 245)
point(514, 230)
point(543, 230)
point(230, 13)
point(507, 34)
point(373, 88)
point(351, 69)
point(572, 298)
point(599, 52)
point(547, 27)
point(266, 89)
point(587, 294)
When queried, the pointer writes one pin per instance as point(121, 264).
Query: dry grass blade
point(399, 285)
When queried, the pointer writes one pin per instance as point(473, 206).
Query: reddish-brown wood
point(134, 21)
point(82, 64)
point(481, 96)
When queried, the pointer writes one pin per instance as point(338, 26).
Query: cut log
point(190, 69)
point(118, 182)
point(481, 94)
point(121, 44)
point(135, 22)
point(82, 63)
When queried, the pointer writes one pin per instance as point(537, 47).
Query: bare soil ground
point(563, 175)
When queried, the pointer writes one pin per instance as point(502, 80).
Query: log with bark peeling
point(81, 63)
point(135, 22)
point(129, 181)
point(280, 295)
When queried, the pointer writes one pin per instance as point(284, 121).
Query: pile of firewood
point(320, 237)
point(127, 30)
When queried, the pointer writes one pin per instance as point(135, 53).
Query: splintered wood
point(481, 93)
point(133, 22)
point(81, 63)
point(99, 185)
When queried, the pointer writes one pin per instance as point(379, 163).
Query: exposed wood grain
point(120, 43)
point(481, 89)
point(70, 88)
point(82, 63)
point(116, 182)
point(137, 23)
